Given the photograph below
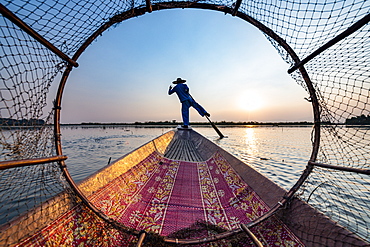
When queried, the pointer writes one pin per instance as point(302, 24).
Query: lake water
point(280, 153)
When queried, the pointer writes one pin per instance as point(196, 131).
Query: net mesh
point(340, 75)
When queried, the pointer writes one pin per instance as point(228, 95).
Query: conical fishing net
point(327, 41)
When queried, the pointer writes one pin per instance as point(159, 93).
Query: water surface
point(280, 153)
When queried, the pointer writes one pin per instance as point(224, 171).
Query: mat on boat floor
point(167, 196)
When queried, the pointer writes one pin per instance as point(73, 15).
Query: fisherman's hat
point(179, 80)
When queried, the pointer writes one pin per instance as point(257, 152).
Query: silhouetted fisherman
point(182, 91)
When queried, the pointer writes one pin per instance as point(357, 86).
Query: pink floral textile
point(164, 196)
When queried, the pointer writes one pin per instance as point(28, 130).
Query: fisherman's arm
point(171, 90)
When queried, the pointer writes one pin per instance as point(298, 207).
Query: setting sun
point(250, 101)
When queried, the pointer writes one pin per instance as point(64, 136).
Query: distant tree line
point(360, 120)
point(173, 122)
point(22, 122)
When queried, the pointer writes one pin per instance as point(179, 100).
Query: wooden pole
point(141, 239)
point(341, 168)
point(22, 25)
point(251, 235)
point(237, 5)
point(215, 127)
point(356, 26)
point(29, 162)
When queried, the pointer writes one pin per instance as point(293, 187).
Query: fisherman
point(186, 100)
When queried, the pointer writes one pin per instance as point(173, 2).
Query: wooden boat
point(180, 188)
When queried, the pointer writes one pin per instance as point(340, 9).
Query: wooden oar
point(215, 127)
point(209, 120)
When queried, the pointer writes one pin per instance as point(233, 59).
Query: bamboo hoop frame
point(133, 13)
point(171, 5)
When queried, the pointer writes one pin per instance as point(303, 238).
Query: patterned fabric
point(165, 196)
point(78, 227)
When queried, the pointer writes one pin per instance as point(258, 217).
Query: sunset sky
point(231, 69)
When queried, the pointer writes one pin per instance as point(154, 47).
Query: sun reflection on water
point(250, 141)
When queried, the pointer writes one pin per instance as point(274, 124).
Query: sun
point(250, 101)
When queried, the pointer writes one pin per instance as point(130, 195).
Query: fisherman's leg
point(185, 112)
point(200, 109)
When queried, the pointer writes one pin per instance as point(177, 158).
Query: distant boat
point(182, 188)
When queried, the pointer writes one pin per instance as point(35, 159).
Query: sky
point(232, 70)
